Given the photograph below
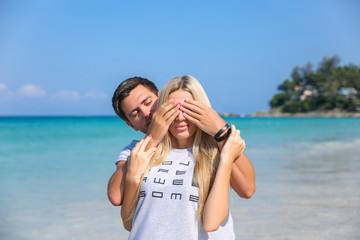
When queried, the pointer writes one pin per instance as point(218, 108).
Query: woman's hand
point(233, 147)
point(137, 164)
point(139, 158)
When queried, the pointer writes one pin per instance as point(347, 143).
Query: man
point(134, 101)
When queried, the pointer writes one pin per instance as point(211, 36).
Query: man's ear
point(130, 125)
point(158, 94)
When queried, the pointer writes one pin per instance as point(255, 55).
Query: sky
point(64, 57)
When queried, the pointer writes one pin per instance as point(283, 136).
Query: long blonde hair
point(205, 149)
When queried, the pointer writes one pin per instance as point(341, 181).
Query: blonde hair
point(205, 149)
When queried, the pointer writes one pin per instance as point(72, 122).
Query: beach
point(331, 113)
point(54, 173)
point(316, 196)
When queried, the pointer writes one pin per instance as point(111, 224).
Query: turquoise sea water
point(54, 173)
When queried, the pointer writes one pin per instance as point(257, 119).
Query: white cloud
point(67, 95)
point(33, 91)
point(95, 95)
point(2, 86)
point(30, 90)
point(5, 93)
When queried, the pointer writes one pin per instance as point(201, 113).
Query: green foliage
point(287, 86)
point(294, 106)
point(279, 99)
point(309, 90)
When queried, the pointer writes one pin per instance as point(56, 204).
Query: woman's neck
point(182, 143)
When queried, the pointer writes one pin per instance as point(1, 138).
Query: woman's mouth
point(182, 127)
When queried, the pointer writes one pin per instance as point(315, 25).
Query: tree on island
point(329, 87)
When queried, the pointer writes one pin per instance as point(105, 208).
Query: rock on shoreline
point(335, 113)
point(228, 114)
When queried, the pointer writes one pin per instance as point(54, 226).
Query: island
point(329, 91)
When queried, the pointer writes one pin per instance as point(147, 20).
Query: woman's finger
point(137, 146)
point(233, 131)
point(238, 133)
point(145, 142)
point(151, 152)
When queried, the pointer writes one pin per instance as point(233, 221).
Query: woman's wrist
point(225, 159)
point(132, 177)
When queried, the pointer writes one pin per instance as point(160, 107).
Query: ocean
point(54, 173)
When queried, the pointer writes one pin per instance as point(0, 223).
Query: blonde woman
point(180, 189)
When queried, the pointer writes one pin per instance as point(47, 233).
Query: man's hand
point(243, 174)
point(202, 116)
point(161, 121)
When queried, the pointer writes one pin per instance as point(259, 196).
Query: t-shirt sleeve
point(125, 153)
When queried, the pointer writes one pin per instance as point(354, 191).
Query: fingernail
point(150, 135)
point(156, 146)
point(186, 99)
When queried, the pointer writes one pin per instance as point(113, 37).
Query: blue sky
point(67, 57)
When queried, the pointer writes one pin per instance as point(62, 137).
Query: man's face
point(138, 108)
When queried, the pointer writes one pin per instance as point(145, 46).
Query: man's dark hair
point(124, 89)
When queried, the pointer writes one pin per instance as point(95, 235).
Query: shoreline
point(334, 113)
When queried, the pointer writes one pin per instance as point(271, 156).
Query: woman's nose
point(180, 116)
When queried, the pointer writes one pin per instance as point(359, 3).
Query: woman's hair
point(205, 149)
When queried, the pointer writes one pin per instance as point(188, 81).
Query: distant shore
point(335, 113)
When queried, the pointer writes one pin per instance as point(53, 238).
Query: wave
point(313, 147)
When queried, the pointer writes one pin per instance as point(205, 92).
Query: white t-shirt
point(168, 201)
point(125, 153)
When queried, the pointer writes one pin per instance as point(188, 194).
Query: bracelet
point(221, 131)
point(224, 136)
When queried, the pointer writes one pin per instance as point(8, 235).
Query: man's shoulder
point(131, 145)
point(125, 153)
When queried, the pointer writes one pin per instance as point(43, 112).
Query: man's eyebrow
point(146, 98)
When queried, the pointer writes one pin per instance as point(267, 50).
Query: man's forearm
point(116, 184)
point(242, 177)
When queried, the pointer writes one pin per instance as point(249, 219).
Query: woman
point(181, 187)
